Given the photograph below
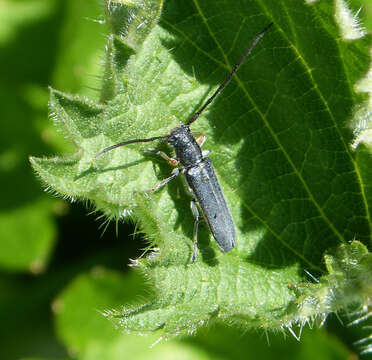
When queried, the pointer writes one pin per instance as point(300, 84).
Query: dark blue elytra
point(201, 178)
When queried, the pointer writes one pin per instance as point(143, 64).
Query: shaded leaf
point(280, 137)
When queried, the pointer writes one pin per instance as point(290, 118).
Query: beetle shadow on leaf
point(96, 170)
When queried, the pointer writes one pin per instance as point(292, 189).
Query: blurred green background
point(58, 267)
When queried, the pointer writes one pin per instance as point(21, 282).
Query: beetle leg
point(201, 139)
point(171, 161)
point(195, 212)
point(175, 173)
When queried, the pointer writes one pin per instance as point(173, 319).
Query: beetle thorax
point(187, 150)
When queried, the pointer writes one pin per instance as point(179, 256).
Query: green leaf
point(89, 336)
point(348, 286)
point(27, 227)
point(25, 310)
point(27, 250)
point(280, 137)
point(13, 15)
point(31, 30)
point(80, 45)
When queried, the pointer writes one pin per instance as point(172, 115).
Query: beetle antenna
point(229, 77)
point(129, 142)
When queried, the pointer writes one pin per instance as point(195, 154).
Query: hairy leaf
point(280, 138)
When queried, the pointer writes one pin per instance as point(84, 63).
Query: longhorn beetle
point(198, 170)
